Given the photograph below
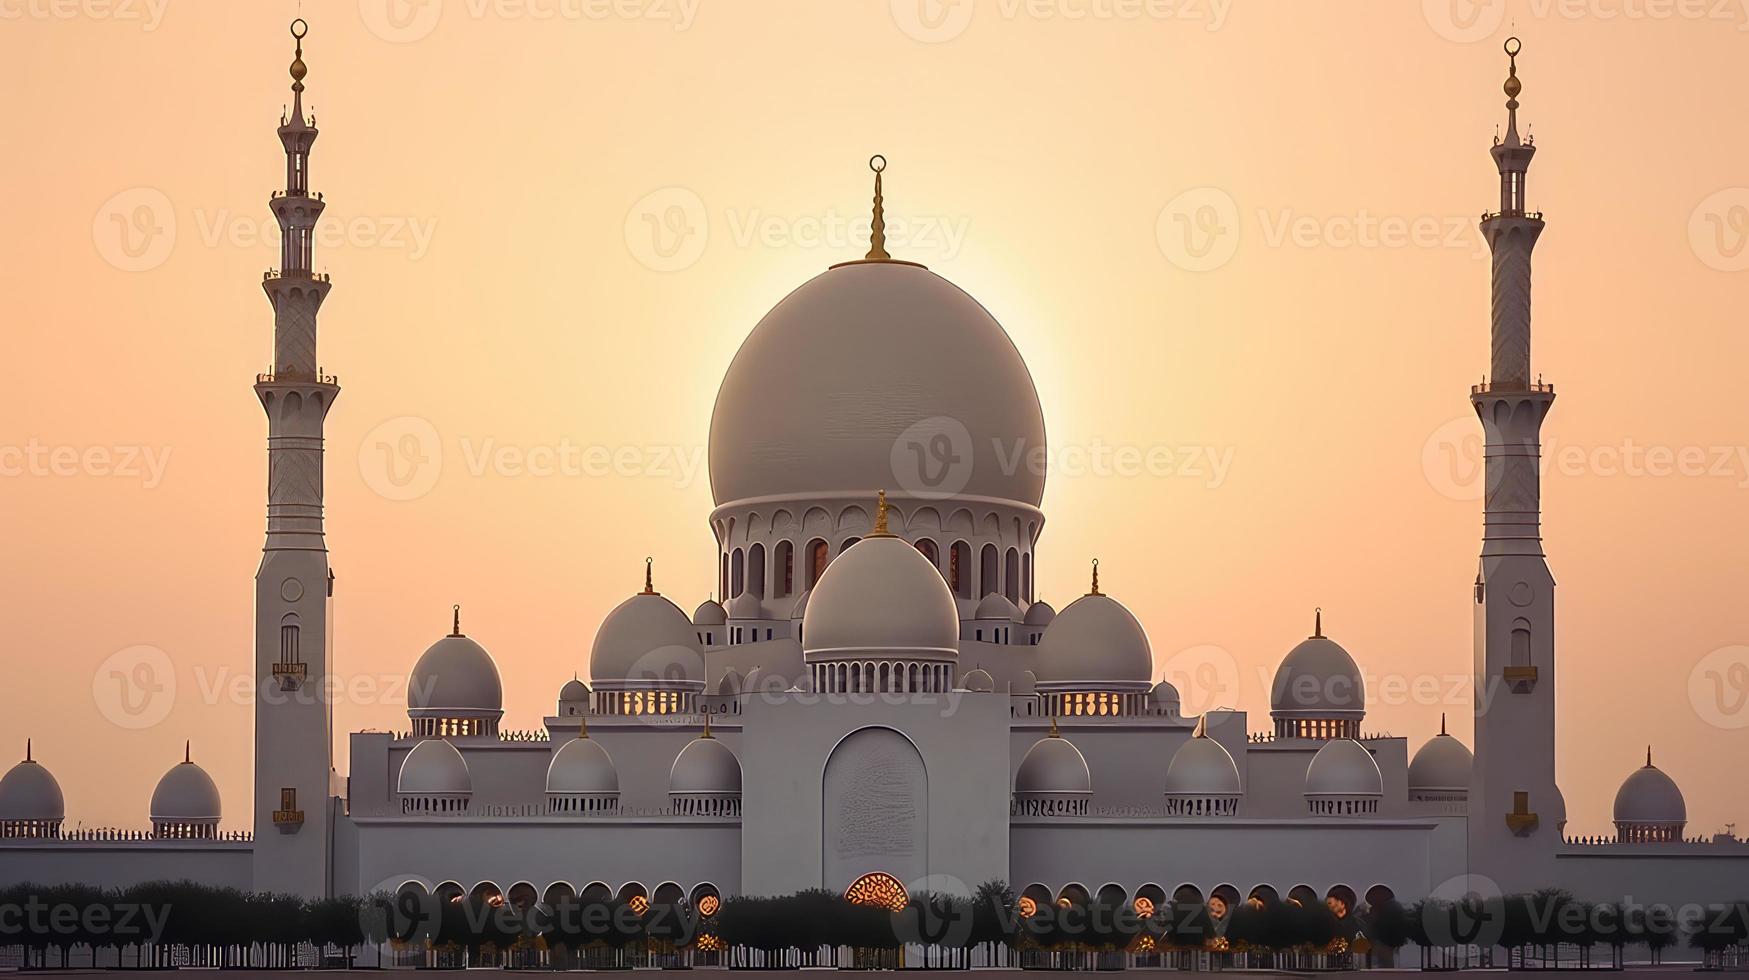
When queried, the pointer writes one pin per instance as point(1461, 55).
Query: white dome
point(1095, 639)
point(1202, 767)
point(746, 606)
point(1040, 613)
point(1649, 796)
point(646, 638)
point(434, 768)
point(1441, 766)
point(1318, 679)
point(1344, 768)
point(705, 765)
point(865, 351)
point(1026, 683)
point(185, 794)
point(978, 680)
point(729, 684)
point(801, 606)
point(881, 598)
point(574, 690)
point(29, 791)
point(582, 766)
point(996, 606)
point(710, 613)
point(455, 674)
point(1053, 766)
point(1164, 695)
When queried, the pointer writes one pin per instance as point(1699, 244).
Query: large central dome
point(866, 357)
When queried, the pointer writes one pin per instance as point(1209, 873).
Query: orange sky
point(496, 171)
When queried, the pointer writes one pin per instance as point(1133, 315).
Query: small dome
point(582, 766)
point(729, 684)
point(1164, 695)
point(1053, 766)
point(185, 794)
point(29, 791)
point(710, 613)
point(1095, 639)
point(1441, 766)
point(1344, 768)
point(801, 606)
point(996, 606)
point(1649, 796)
point(646, 638)
point(1202, 767)
point(574, 690)
point(746, 606)
point(455, 674)
point(1026, 683)
point(881, 598)
point(1040, 613)
point(1318, 679)
point(978, 680)
point(434, 768)
point(706, 765)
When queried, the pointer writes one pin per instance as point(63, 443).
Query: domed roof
point(1650, 796)
point(1040, 613)
point(434, 768)
point(1202, 767)
point(867, 351)
point(979, 680)
point(646, 638)
point(729, 684)
point(455, 673)
point(881, 597)
point(1443, 765)
point(574, 690)
point(1343, 767)
point(745, 606)
point(705, 765)
point(1318, 677)
point(29, 791)
point(184, 794)
point(1053, 765)
point(1026, 683)
point(1095, 638)
point(1164, 694)
point(801, 606)
point(582, 766)
point(996, 606)
point(710, 613)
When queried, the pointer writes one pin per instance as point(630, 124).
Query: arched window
point(1026, 576)
point(784, 568)
point(987, 563)
point(818, 556)
point(756, 570)
point(959, 569)
point(1521, 643)
point(930, 551)
point(1011, 576)
point(737, 572)
point(723, 578)
point(288, 640)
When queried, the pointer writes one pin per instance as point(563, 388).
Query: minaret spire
point(649, 577)
point(877, 237)
point(1094, 590)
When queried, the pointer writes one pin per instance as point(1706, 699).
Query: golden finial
point(187, 756)
point(456, 620)
point(649, 577)
point(1202, 726)
point(877, 235)
point(1513, 86)
point(707, 726)
point(1442, 730)
point(582, 726)
point(1095, 589)
point(1648, 757)
point(1318, 623)
point(1055, 732)
point(299, 28)
point(27, 757)
point(880, 523)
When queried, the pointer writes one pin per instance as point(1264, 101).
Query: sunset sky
point(1235, 242)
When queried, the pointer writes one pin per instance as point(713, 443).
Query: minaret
point(293, 586)
point(1515, 811)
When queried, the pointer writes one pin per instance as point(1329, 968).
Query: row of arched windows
point(1150, 899)
point(745, 569)
point(454, 727)
point(882, 676)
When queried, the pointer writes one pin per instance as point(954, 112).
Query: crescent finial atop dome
point(1095, 589)
point(877, 236)
point(649, 579)
point(880, 521)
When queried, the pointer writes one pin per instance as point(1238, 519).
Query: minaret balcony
point(293, 377)
point(1520, 680)
point(275, 275)
point(290, 676)
point(288, 821)
point(1527, 215)
point(1512, 387)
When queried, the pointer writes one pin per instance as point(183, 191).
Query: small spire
point(1512, 87)
point(1055, 732)
point(27, 757)
point(582, 726)
point(1648, 757)
point(1202, 726)
point(1318, 623)
point(880, 523)
point(707, 726)
point(877, 236)
point(299, 28)
point(1095, 589)
point(455, 620)
point(1442, 723)
point(649, 577)
point(186, 751)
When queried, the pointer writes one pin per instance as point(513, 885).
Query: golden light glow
point(1217, 907)
point(878, 888)
point(1337, 905)
point(639, 904)
point(1028, 906)
point(709, 943)
point(708, 905)
point(1144, 906)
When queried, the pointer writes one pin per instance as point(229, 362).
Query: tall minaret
point(1515, 811)
point(293, 587)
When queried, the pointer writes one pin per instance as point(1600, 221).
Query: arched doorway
point(874, 809)
point(879, 889)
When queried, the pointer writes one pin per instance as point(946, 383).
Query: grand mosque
point(883, 701)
